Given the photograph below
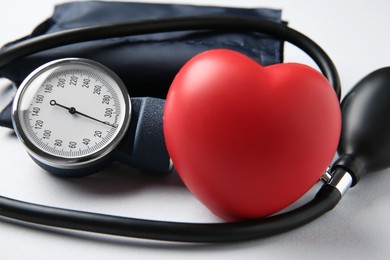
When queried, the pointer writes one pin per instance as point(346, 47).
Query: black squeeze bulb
point(365, 137)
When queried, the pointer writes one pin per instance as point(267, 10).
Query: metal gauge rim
point(63, 162)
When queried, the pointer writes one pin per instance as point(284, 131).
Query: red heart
point(249, 140)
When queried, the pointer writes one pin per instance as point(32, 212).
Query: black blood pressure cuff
point(146, 63)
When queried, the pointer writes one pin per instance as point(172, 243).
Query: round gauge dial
point(71, 113)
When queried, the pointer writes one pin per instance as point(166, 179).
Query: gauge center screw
point(72, 110)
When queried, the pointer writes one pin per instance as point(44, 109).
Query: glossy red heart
point(249, 140)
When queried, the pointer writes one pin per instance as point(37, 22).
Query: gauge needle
point(73, 111)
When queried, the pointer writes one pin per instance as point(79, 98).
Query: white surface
point(355, 35)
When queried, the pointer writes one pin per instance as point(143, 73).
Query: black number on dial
point(73, 80)
point(72, 144)
point(98, 134)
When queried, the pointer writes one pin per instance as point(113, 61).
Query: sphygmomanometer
point(236, 131)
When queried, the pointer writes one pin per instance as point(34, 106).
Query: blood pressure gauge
point(71, 114)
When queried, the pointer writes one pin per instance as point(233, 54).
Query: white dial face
point(71, 109)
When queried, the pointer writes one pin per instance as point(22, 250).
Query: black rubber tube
point(226, 23)
point(325, 200)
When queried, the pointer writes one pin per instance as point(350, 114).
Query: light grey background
point(356, 36)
